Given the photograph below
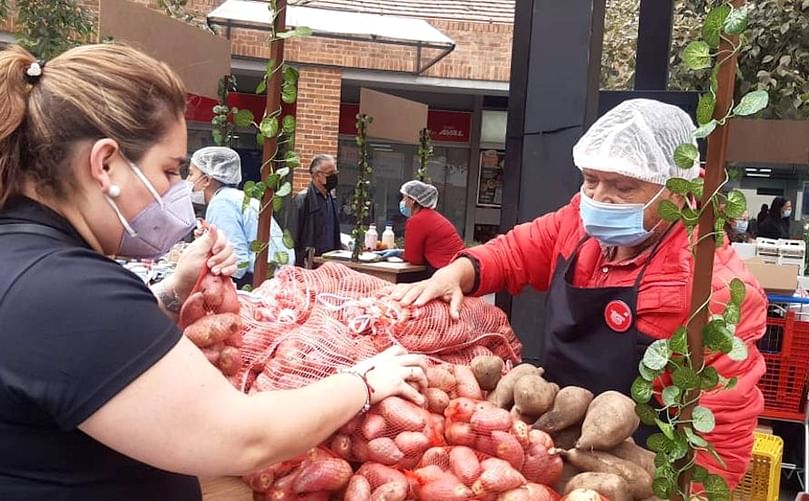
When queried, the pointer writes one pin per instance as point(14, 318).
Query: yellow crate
point(762, 482)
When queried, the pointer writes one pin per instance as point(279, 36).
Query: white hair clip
point(34, 71)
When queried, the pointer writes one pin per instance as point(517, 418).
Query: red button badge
point(618, 316)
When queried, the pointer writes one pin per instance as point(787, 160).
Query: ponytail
point(14, 92)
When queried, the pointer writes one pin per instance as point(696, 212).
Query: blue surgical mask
point(787, 213)
point(615, 225)
point(404, 209)
point(740, 226)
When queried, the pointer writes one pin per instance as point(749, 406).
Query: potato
point(503, 394)
point(437, 400)
point(610, 420)
point(567, 438)
point(636, 478)
point(466, 384)
point(569, 408)
point(488, 370)
point(359, 489)
point(213, 329)
point(568, 472)
point(323, 475)
point(383, 450)
point(608, 485)
point(192, 310)
point(584, 495)
point(533, 396)
point(629, 451)
point(464, 463)
point(441, 378)
point(230, 361)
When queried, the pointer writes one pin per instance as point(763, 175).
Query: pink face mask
point(160, 225)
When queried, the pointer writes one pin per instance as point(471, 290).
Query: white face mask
point(198, 197)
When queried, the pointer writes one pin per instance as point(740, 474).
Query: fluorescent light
point(758, 175)
point(751, 169)
point(765, 170)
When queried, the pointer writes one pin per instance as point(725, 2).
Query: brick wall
point(318, 115)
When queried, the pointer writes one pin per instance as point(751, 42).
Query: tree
point(776, 51)
point(178, 9)
point(49, 27)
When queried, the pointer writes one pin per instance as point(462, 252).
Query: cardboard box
point(775, 278)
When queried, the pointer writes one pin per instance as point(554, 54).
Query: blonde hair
point(87, 93)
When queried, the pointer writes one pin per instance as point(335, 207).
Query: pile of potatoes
point(591, 433)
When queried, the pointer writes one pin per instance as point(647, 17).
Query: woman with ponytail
point(101, 397)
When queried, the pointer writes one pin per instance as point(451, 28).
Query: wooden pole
point(706, 248)
point(270, 144)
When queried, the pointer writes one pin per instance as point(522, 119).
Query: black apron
point(591, 338)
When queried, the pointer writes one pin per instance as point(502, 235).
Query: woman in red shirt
point(430, 238)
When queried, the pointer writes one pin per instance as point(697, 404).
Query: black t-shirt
point(75, 329)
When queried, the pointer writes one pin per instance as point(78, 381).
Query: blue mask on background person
point(615, 225)
point(404, 209)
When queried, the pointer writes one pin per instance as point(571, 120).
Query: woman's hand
point(446, 284)
point(388, 373)
point(211, 250)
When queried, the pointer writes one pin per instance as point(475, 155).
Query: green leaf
point(697, 55)
point(690, 216)
point(716, 488)
point(732, 314)
point(290, 74)
point(260, 139)
point(736, 204)
point(739, 351)
point(685, 378)
point(697, 186)
point(686, 155)
point(243, 265)
point(671, 396)
point(273, 180)
point(751, 103)
point(303, 31)
point(665, 428)
point(669, 211)
point(300, 31)
point(679, 447)
point(731, 383)
point(261, 88)
point(218, 138)
point(699, 474)
point(277, 204)
point(646, 414)
point(243, 118)
point(705, 130)
point(289, 242)
point(714, 79)
point(256, 246)
point(709, 378)
point(284, 190)
point(269, 126)
point(705, 108)
point(289, 124)
point(694, 439)
point(717, 336)
point(737, 291)
point(289, 93)
point(647, 373)
point(703, 420)
point(712, 28)
point(657, 355)
point(678, 185)
point(292, 159)
point(641, 390)
point(657, 442)
point(662, 461)
point(679, 341)
point(663, 487)
point(282, 172)
point(736, 22)
point(281, 257)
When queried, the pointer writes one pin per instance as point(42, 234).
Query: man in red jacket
point(618, 277)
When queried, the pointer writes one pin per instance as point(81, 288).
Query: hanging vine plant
point(672, 404)
point(361, 201)
point(425, 153)
point(227, 118)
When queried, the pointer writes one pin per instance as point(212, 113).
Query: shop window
point(394, 164)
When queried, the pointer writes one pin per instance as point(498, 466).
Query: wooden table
point(225, 489)
point(396, 273)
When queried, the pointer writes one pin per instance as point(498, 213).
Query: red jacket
point(527, 255)
point(431, 238)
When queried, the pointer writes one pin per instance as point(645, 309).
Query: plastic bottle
point(371, 237)
point(388, 237)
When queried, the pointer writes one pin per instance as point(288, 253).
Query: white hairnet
point(637, 139)
point(425, 194)
point(222, 164)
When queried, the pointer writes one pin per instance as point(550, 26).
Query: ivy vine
point(660, 401)
point(361, 200)
point(425, 153)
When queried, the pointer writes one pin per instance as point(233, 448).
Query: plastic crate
point(785, 348)
point(762, 482)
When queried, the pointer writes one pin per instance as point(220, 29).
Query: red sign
point(618, 316)
point(445, 126)
point(200, 109)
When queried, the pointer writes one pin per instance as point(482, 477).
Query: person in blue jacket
point(214, 173)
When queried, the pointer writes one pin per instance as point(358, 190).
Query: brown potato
point(629, 451)
point(610, 420)
point(608, 485)
point(503, 394)
point(569, 408)
point(488, 370)
point(567, 438)
point(639, 482)
point(534, 396)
